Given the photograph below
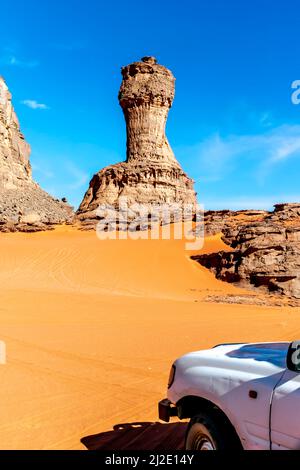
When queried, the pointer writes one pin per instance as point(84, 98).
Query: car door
point(285, 412)
point(248, 406)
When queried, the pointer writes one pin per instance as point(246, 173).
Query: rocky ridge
point(265, 253)
point(218, 221)
point(24, 206)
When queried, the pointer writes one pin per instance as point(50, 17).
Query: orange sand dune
point(92, 327)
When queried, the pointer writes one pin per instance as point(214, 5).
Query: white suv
point(237, 396)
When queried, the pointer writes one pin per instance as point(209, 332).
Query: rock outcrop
point(23, 204)
point(265, 254)
point(151, 173)
point(286, 213)
point(220, 220)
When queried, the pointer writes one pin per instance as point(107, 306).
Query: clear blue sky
point(233, 126)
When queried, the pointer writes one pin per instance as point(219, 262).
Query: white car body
point(251, 385)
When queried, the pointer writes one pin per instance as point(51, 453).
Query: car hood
point(263, 358)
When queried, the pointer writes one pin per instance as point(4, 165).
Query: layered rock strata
point(219, 220)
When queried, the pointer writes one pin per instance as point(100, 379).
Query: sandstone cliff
point(23, 204)
point(266, 251)
point(151, 173)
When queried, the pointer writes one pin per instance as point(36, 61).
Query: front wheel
point(209, 431)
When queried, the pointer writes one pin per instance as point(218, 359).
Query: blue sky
point(233, 126)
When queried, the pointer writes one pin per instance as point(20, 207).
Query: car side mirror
point(293, 357)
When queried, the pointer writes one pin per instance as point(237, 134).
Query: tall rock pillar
point(151, 173)
point(146, 95)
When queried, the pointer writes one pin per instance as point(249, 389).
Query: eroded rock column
point(151, 173)
point(146, 95)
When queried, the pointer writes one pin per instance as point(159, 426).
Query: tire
point(209, 430)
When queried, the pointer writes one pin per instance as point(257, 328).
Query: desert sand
point(92, 328)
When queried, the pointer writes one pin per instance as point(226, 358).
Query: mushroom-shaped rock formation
point(151, 174)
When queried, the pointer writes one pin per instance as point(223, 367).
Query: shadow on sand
point(139, 436)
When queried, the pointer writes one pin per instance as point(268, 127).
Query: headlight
point(171, 376)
